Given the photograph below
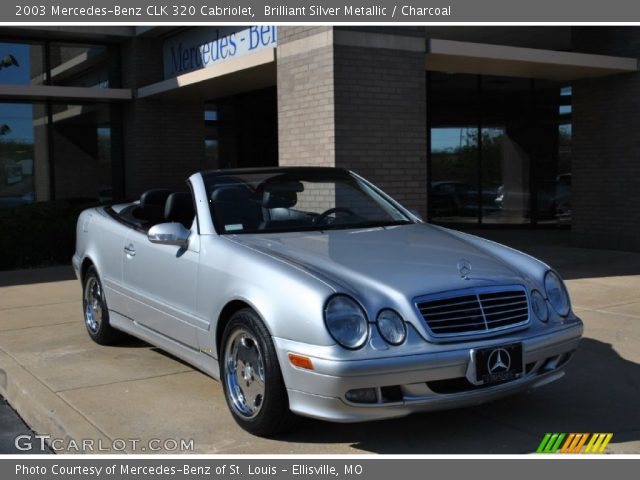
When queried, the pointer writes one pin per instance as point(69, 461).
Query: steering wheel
point(322, 218)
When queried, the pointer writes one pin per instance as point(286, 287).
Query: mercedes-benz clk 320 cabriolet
point(310, 291)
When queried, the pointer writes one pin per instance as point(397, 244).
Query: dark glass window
point(76, 65)
point(82, 152)
point(22, 63)
point(499, 150)
point(23, 154)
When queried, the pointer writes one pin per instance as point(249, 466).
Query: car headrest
point(179, 208)
point(155, 197)
point(281, 199)
point(231, 193)
point(281, 194)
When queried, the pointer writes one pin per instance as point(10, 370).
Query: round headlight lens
point(539, 306)
point(557, 293)
point(391, 326)
point(346, 321)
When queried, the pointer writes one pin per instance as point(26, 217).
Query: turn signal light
point(300, 361)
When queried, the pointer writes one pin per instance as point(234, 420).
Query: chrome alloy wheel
point(244, 373)
point(93, 303)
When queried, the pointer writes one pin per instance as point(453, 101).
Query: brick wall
point(606, 146)
point(380, 119)
point(305, 96)
point(344, 103)
point(164, 141)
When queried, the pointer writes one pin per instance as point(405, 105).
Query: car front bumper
point(424, 382)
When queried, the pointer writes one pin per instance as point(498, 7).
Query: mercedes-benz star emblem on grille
point(499, 361)
point(464, 267)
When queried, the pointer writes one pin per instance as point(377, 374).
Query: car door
point(161, 281)
point(109, 236)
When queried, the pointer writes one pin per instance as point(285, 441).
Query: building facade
point(514, 127)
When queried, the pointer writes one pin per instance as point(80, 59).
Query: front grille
point(475, 311)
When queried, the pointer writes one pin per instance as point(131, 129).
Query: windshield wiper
point(372, 224)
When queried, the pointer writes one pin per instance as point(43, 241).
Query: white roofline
point(471, 57)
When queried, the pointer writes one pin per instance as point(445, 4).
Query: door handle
point(129, 250)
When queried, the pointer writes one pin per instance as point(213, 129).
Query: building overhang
point(484, 59)
point(62, 94)
point(249, 72)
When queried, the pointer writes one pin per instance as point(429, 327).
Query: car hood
point(407, 260)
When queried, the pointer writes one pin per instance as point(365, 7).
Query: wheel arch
point(84, 266)
point(227, 312)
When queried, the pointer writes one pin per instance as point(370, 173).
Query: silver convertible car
point(309, 291)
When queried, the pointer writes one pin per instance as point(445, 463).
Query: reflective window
point(23, 154)
point(81, 66)
point(211, 153)
point(81, 140)
point(505, 178)
point(22, 63)
point(499, 150)
point(76, 65)
point(454, 174)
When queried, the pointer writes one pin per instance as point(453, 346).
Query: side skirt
point(196, 358)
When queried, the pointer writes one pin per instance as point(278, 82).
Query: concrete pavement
point(136, 397)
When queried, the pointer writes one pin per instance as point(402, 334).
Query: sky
point(19, 117)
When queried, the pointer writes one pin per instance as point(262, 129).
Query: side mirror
point(169, 234)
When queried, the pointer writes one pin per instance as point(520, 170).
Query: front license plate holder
point(498, 364)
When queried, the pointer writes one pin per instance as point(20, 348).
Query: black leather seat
point(152, 203)
point(277, 202)
point(179, 208)
point(235, 208)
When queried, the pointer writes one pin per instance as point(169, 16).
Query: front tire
point(96, 313)
point(251, 377)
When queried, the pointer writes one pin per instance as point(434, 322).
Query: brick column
point(605, 146)
point(164, 140)
point(355, 98)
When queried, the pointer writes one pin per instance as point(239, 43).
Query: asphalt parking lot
point(12, 427)
point(65, 386)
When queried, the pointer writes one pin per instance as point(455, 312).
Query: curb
point(43, 410)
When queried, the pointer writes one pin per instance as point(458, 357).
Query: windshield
point(296, 200)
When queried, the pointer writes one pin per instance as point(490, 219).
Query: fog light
point(362, 395)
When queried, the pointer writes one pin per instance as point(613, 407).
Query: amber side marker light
point(300, 361)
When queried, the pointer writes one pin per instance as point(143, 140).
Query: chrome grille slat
point(507, 319)
point(504, 311)
point(479, 324)
point(486, 296)
point(521, 300)
point(469, 310)
point(449, 304)
point(476, 311)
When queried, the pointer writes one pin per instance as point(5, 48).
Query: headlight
point(346, 321)
point(557, 293)
point(539, 306)
point(391, 326)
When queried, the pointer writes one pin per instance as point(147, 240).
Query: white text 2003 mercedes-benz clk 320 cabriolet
point(309, 291)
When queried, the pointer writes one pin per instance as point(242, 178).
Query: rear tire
point(96, 313)
point(251, 377)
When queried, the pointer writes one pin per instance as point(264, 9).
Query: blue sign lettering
point(203, 47)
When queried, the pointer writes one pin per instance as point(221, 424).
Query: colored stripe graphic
point(598, 442)
point(581, 443)
point(574, 443)
point(550, 443)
